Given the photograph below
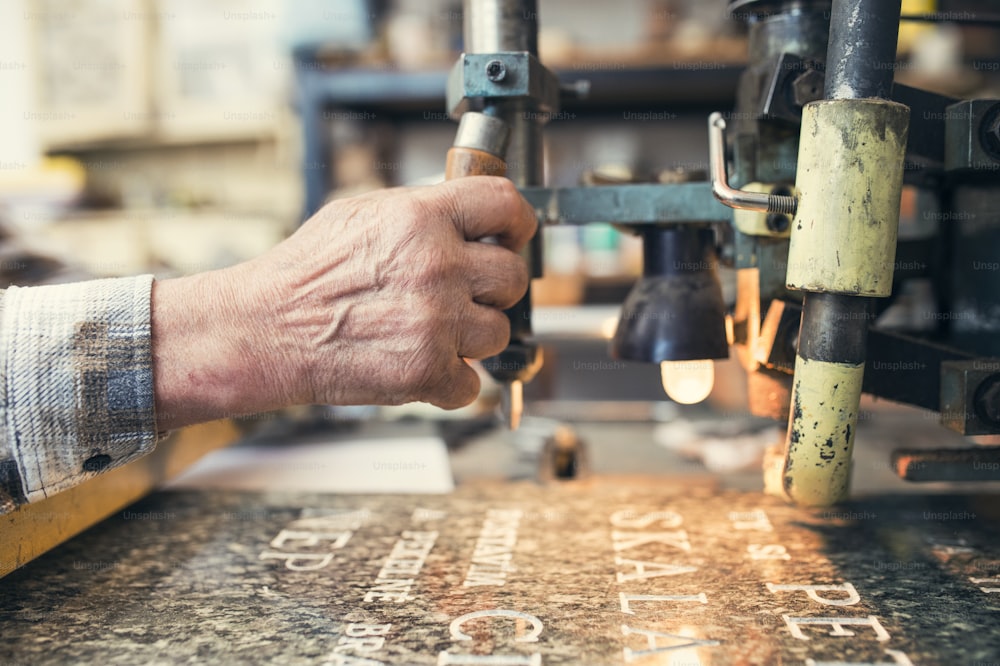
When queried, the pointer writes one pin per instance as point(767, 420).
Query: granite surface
point(606, 571)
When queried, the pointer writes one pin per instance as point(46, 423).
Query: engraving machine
point(804, 200)
point(821, 145)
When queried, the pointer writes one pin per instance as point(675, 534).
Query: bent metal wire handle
point(730, 196)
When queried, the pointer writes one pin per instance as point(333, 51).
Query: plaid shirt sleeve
point(76, 384)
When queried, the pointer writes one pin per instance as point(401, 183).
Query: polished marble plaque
point(609, 571)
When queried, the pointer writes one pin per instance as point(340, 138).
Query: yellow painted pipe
point(849, 181)
point(825, 400)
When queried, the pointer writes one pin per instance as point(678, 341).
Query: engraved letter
point(898, 659)
point(320, 560)
point(625, 540)
point(359, 629)
point(339, 659)
point(771, 551)
point(644, 570)
point(448, 659)
point(750, 520)
point(627, 518)
point(339, 539)
point(653, 648)
point(995, 580)
point(532, 637)
point(852, 594)
point(625, 599)
point(838, 625)
point(365, 644)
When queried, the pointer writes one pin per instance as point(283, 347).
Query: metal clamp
point(730, 196)
point(504, 75)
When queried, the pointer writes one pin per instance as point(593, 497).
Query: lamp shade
point(675, 312)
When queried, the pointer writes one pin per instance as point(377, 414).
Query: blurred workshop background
point(176, 136)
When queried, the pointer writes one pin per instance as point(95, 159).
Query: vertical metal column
point(496, 26)
point(843, 241)
point(493, 26)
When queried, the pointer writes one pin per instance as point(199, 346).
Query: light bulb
point(688, 382)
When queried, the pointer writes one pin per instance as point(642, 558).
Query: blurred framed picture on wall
point(91, 79)
point(221, 71)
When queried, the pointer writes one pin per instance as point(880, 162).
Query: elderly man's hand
point(375, 300)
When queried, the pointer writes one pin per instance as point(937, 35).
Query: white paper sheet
point(397, 465)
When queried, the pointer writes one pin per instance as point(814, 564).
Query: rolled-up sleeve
point(76, 384)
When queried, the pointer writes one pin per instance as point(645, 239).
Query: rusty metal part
point(975, 464)
point(970, 396)
point(972, 136)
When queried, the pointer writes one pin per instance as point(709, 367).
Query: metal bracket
point(505, 75)
point(637, 204)
point(970, 396)
point(972, 136)
point(794, 83)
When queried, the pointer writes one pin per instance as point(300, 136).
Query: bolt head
point(987, 400)
point(807, 87)
point(991, 132)
point(496, 71)
point(778, 222)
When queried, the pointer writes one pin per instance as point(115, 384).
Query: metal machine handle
point(730, 196)
point(479, 147)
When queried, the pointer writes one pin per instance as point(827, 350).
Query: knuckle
point(427, 354)
point(427, 322)
point(486, 334)
point(501, 334)
point(431, 264)
point(507, 195)
point(416, 379)
point(426, 258)
point(410, 215)
point(512, 280)
point(520, 277)
point(444, 203)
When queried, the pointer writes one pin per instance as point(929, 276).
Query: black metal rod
point(526, 162)
point(861, 57)
point(834, 327)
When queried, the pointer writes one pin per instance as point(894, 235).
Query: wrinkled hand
point(374, 300)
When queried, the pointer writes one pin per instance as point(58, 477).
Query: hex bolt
point(496, 71)
point(987, 400)
point(807, 87)
point(991, 132)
